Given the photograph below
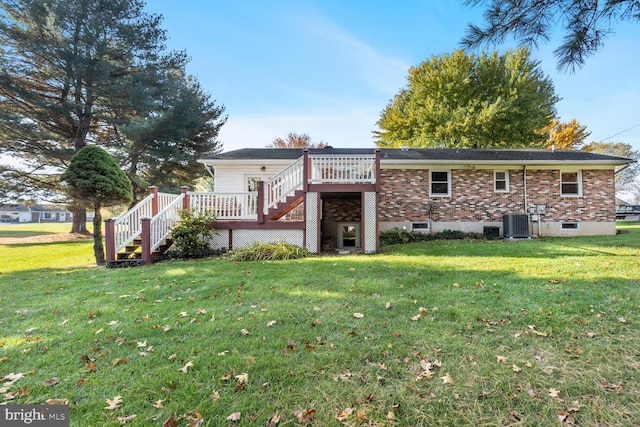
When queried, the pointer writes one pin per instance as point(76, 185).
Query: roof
point(427, 155)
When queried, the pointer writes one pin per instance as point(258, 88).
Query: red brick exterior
point(342, 209)
point(404, 196)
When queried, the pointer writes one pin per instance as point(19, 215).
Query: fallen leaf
point(113, 323)
point(273, 419)
point(358, 315)
point(141, 344)
point(245, 332)
point(305, 417)
point(234, 417)
point(125, 420)
point(215, 395)
point(57, 401)
point(342, 416)
point(186, 367)
point(170, 422)
point(158, 404)
point(51, 381)
point(242, 378)
point(173, 357)
point(271, 323)
point(501, 359)
point(201, 311)
point(609, 386)
point(554, 393)
point(447, 379)
point(183, 314)
point(195, 421)
point(114, 403)
point(516, 368)
point(388, 306)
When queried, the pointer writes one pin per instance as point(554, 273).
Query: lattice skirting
point(370, 210)
point(220, 239)
point(241, 238)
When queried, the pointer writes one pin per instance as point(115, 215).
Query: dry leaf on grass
point(124, 420)
point(186, 367)
point(51, 381)
point(196, 420)
point(234, 417)
point(273, 419)
point(113, 403)
point(447, 379)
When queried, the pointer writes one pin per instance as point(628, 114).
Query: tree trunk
point(79, 224)
point(98, 248)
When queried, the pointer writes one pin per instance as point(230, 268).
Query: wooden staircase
point(132, 254)
point(283, 208)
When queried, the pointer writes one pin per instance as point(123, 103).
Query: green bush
point(397, 236)
point(275, 251)
point(191, 236)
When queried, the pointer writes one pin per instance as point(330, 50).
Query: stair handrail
point(284, 183)
point(162, 223)
point(128, 226)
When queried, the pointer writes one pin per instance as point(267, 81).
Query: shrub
point(191, 236)
point(397, 236)
point(275, 251)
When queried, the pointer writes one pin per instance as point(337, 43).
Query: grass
point(482, 333)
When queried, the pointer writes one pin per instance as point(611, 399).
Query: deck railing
point(226, 205)
point(284, 184)
point(344, 169)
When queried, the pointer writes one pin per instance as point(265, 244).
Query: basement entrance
point(349, 235)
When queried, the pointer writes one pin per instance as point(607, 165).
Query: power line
point(621, 132)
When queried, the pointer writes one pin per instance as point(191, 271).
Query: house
point(48, 213)
point(14, 213)
point(335, 198)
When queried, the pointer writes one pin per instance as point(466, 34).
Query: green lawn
point(479, 333)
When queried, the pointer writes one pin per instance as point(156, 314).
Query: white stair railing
point(128, 226)
point(162, 224)
point(226, 205)
point(284, 184)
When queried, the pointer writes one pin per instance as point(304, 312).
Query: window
point(570, 226)
point(501, 181)
point(252, 184)
point(570, 183)
point(420, 227)
point(440, 183)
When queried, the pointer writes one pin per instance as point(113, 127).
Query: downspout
point(524, 186)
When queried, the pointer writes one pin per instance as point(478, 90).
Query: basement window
point(570, 226)
point(420, 227)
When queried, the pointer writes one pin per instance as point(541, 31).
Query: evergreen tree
point(94, 178)
point(74, 72)
point(585, 24)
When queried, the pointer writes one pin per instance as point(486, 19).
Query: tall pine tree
point(79, 71)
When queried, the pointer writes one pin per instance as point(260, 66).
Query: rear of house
point(341, 199)
point(560, 193)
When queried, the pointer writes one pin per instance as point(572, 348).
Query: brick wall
point(342, 209)
point(405, 196)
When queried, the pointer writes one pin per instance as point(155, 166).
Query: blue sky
point(329, 67)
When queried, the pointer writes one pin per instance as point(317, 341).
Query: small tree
point(295, 140)
point(94, 177)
